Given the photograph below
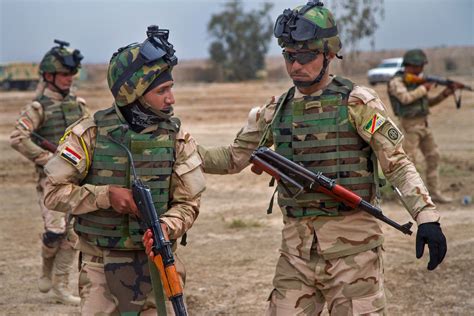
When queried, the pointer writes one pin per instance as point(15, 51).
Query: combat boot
point(44, 283)
point(63, 263)
point(437, 197)
point(61, 291)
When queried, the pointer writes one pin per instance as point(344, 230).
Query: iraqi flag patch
point(71, 156)
point(374, 123)
point(25, 124)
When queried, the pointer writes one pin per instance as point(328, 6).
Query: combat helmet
point(415, 57)
point(133, 68)
point(61, 59)
point(311, 27)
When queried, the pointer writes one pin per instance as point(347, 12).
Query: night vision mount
point(61, 44)
point(69, 59)
point(157, 46)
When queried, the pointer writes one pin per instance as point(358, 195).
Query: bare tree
point(357, 19)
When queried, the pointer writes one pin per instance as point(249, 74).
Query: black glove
point(431, 234)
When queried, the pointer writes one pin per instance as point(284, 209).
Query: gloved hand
point(431, 234)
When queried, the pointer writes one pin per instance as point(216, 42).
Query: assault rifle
point(288, 172)
point(43, 142)
point(164, 259)
point(412, 78)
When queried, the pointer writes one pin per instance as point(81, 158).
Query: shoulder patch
point(36, 105)
point(71, 156)
point(391, 132)
point(82, 125)
point(25, 124)
point(374, 123)
point(81, 100)
point(362, 93)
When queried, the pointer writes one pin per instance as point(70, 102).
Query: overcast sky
point(99, 27)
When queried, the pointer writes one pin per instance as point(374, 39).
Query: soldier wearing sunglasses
point(51, 112)
point(330, 254)
point(90, 176)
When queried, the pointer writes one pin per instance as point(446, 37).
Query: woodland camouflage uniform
point(115, 276)
point(50, 113)
point(329, 254)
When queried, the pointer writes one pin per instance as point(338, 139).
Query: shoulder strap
point(280, 103)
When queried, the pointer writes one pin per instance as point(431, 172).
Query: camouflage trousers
point(54, 222)
point(128, 289)
point(351, 285)
point(419, 135)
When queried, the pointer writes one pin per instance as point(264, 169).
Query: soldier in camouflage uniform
point(90, 175)
point(53, 109)
point(329, 254)
point(410, 101)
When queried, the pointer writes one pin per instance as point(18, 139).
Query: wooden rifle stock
point(264, 159)
point(44, 143)
point(164, 259)
point(412, 78)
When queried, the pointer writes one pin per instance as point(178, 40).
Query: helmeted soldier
point(51, 112)
point(411, 103)
point(90, 176)
point(329, 254)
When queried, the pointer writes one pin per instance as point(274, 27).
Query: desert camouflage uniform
point(49, 115)
point(417, 131)
point(332, 259)
point(66, 190)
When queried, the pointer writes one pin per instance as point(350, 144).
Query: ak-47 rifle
point(287, 172)
point(164, 259)
point(412, 78)
point(43, 142)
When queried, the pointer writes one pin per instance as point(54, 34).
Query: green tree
point(240, 40)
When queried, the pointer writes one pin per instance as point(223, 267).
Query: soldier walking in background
point(47, 117)
point(410, 102)
point(330, 254)
point(90, 177)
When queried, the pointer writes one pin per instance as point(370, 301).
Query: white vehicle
point(385, 71)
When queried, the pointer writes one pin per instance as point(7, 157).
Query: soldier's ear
point(48, 76)
point(331, 55)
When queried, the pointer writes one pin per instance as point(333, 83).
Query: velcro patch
point(25, 124)
point(391, 132)
point(71, 156)
point(374, 123)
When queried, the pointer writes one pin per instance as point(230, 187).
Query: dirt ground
point(233, 247)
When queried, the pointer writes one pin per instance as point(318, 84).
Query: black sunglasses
point(301, 57)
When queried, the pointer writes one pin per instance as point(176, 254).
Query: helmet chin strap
point(161, 114)
point(305, 84)
point(63, 92)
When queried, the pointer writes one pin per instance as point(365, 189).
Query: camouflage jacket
point(398, 89)
point(64, 193)
point(334, 236)
point(31, 119)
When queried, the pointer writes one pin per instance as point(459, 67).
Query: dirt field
point(233, 247)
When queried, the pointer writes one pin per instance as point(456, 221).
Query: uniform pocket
point(374, 303)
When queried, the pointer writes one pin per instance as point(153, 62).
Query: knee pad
point(51, 239)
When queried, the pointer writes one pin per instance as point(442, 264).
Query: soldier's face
point(307, 71)
point(412, 69)
point(62, 80)
point(161, 97)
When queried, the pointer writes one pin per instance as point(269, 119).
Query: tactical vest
point(58, 116)
point(316, 133)
point(417, 108)
point(154, 156)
